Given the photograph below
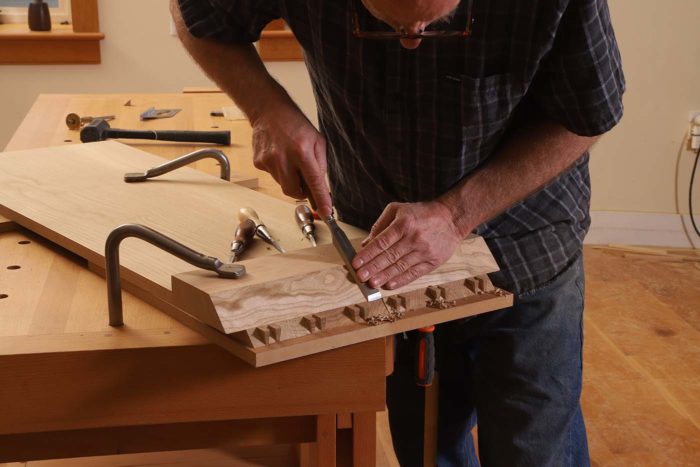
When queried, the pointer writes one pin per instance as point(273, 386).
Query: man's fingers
point(320, 155)
point(409, 276)
point(385, 219)
point(314, 173)
point(377, 246)
point(316, 184)
point(395, 254)
point(319, 191)
point(395, 269)
point(289, 180)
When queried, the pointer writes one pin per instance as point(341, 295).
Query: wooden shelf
point(19, 45)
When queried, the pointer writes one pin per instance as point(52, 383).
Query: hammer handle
point(215, 137)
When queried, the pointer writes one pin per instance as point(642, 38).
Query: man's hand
point(407, 241)
point(288, 146)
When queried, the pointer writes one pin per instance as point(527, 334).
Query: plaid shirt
point(408, 125)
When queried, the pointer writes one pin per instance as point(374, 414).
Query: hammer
point(99, 130)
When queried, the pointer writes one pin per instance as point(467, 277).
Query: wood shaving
point(440, 303)
point(393, 315)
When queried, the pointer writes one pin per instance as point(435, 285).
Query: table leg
point(325, 440)
point(364, 439)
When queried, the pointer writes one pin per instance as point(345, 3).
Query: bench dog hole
point(24, 242)
point(14, 266)
point(3, 295)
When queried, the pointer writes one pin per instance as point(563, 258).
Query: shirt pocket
point(486, 108)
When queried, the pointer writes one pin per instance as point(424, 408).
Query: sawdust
point(440, 303)
point(394, 314)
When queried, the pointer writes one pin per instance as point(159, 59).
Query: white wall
point(639, 167)
point(642, 164)
point(138, 55)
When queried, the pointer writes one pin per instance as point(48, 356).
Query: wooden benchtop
point(55, 304)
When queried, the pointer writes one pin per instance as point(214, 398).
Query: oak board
point(75, 196)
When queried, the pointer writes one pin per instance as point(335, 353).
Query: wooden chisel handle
point(249, 213)
point(242, 237)
point(245, 232)
point(307, 192)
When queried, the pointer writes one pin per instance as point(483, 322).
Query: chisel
point(242, 238)
point(345, 249)
point(305, 221)
point(260, 229)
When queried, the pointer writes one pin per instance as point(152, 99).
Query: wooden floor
point(641, 395)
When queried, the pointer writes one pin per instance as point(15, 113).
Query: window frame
point(77, 43)
point(15, 15)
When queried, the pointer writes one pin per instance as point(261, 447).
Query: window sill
point(61, 45)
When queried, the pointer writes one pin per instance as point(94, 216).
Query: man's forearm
point(527, 162)
point(236, 69)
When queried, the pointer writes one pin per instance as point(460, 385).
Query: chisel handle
point(249, 213)
point(242, 238)
point(307, 192)
point(425, 357)
point(190, 136)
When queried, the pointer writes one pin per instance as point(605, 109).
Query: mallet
point(99, 130)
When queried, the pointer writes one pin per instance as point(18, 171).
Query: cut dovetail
point(320, 321)
point(263, 333)
point(353, 312)
point(309, 322)
point(471, 285)
point(276, 331)
point(397, 303)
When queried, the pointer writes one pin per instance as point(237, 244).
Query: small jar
point(39, 16)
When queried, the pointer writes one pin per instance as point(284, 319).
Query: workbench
point(74, 386)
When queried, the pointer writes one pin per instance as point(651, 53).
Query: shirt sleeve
point(580, 82)
point(233, 21)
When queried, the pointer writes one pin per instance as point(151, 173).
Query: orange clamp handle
point(425, 357)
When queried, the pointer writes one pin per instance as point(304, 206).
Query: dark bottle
point(39, 16)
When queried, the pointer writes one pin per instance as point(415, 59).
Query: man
point(437, 119)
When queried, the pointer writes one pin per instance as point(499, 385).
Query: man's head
point(411, 16)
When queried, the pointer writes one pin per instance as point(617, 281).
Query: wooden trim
point(64, 49)
point(149, 438)
point(364, 439)
point(325, 440)
point(63, 45)
point(85, 17)
point(276, 46)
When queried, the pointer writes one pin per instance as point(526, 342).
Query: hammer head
point(94, 131)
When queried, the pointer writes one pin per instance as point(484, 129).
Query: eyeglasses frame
point(357, 32)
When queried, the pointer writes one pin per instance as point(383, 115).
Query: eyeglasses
point(403, 34)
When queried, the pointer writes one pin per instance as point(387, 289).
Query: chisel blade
point(347, 253)
point(279, 247)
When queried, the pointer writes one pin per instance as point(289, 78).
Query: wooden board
point(79, 197)
point(301, 283)
point(45, 126)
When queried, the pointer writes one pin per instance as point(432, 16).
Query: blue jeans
point(517, 371)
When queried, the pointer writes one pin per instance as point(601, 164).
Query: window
point(15, 11)
point(77, 42)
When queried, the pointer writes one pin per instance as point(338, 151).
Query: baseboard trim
point(639, 228)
